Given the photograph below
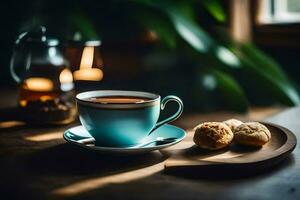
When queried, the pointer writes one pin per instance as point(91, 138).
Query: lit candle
point(66, 80)
point(86, 72)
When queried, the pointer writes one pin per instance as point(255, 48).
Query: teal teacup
point(122, 118)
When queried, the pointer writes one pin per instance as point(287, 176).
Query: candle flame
point(87, 58)
point(86, 72)
point(65, 76)
point(66, 80)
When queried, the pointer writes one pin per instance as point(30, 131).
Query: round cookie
point(212, 135)
point(232, 123)
point(252, 134)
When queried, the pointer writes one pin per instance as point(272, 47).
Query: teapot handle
point(13, 72)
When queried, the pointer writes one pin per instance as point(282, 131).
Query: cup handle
point(174, 116)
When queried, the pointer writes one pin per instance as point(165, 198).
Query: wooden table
point(36, 163)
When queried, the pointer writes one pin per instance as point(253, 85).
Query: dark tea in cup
point(118, 99)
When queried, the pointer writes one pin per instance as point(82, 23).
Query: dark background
point(134, 60)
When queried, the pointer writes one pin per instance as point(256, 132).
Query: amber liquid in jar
point(46, 95)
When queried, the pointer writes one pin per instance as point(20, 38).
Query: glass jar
point(46, 89)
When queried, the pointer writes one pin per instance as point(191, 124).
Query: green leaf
point(190, 31)
point(227, 90)
point(230, 90)
point(160, 25)
point(247, 57)
point(84, 25)
point(264, 63)
point(269, 74)
point(182, 19)
point(215, 9)
point(264, 71)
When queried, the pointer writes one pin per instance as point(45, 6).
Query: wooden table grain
point(36, 163)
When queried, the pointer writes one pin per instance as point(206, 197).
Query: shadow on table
point(159, 186)
point(182, 186)
point(222, 172)
point(51, 164)
point(63, 165)
point(68, 160)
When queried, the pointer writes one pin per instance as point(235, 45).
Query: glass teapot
point(46, 94)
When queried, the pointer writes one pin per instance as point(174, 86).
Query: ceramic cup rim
point(154, 99)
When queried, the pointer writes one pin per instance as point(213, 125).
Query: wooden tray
point(242, 159)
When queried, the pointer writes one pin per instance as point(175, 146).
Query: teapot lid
point(36, 35)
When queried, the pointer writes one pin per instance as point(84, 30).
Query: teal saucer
point(78, 135)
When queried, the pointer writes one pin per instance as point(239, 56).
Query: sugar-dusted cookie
point(212, 135)
point(232, 123)
point(252, 133)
